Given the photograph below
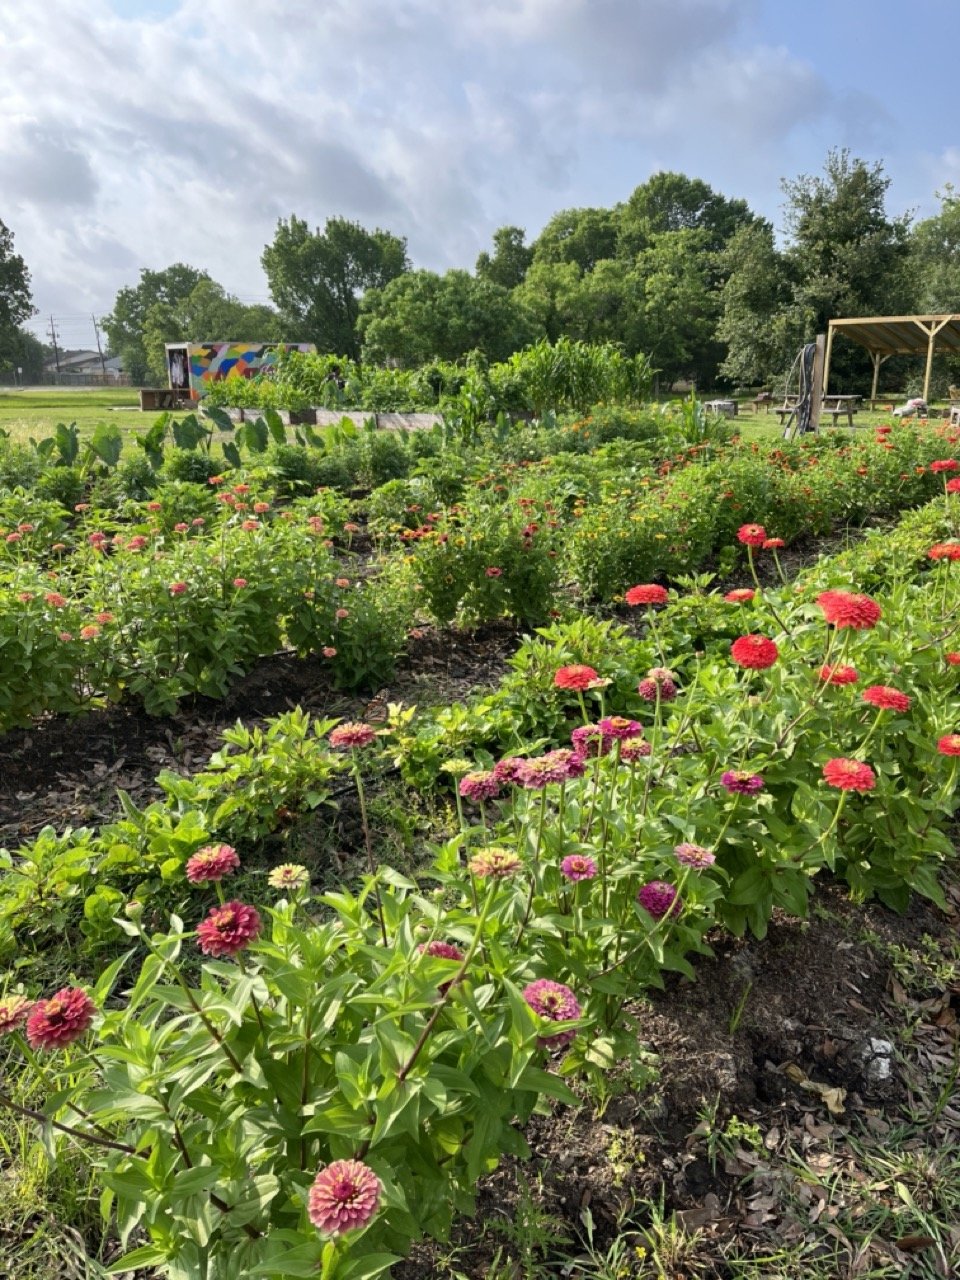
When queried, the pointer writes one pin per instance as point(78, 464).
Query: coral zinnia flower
point(343, 1197)
point(59, 1021)
point(481, 785)
point(647, 593)
point(693, 855)
point(740, 595)
point(288, 875)
point(838, 673)
point(742, 782)
point(229, 929)
point(773, 544)
point(351, 734)
point(577, 676)
point(212, 863)
point(887, 699)
point(556, 1003)
point(578, 867)
point(752, 535)
point(755, 652)
point(849, 609)
point(949, 744)
point(849, 775)
point(13, 1013)
point(659, 898)
point(494, 863)
point(945, 551)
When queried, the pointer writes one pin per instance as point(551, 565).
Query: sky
point(136, 133)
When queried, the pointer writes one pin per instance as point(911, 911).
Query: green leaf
point(148, 1255)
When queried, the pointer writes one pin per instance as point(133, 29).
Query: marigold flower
point(480, 785)
point(949, 744)
point(577, 676)
point(343, 1197)
point(350, 735)
point(839, 673)
point(578, 867)
point(555, 1003)
point(849, 775)
point(740, 595)
point(288, 875)
point(647, 593)
point(887, 699)
point(211, 863)
point(693, 855)
point(754, 652)
point(659, 898)
point(494, 863)
point(945, 551)
point(849, 609)
point(752, 535)
point(61, 1020)
point(742, 782)
point(228, 929)
point(13, 1013)
point(177, 588)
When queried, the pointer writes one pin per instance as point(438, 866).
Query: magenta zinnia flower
point(350, 735)
point(478, 786)
point(442, 950)
point(508, 769)
point(344, 1196)
point(212, 863)
point(59, 1021)
point(618, 728)
point(742, 781)
point(556, 1003)
point(693, 855)
point(637, 749)
point(228, 929)
point(659, 898)
point(588, 740)
point(578, 867)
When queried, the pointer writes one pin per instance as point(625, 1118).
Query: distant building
point(80, 366)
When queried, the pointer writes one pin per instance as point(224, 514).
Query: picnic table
point(725, 408)
point(835, 407)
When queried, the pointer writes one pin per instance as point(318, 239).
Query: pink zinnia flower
point(494, 572)
point(742, 782)
point(228, 929)
point(618, 728)
point(773, 544)
point(588, 740)
point(887, 699)
point(340, 614)
point(636, 749)
point(693, 855)
point(137, 543)
point(61, 1020)
point(442, 950)
point(481, 785)
point(343, 1197)
point(659, 899)
point(508, 769)
point(329, 651)
point(350, 735)
point(578, 867)
point(177, 588)
point(342, 582)
point(752, 535)
point(555, 1003)
point(55, 599)
point(13, 1013)
point(239, 583)
point(211, 863)
point(90, 631)
point(647, 593)
point(659, 682)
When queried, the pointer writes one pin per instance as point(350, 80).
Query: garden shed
point(886, 336)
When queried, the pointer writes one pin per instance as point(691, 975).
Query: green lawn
point(36, 412)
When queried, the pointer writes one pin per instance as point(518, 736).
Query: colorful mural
point(201, 363)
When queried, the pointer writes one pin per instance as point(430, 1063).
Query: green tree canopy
point(318, 277)
point(421, 316)
point(674, 202)
point(759, 322)
point(935, 256)
point(125, 327)
point(508, 263)
point(207, 313)
point(583, 236)
point(16, 303)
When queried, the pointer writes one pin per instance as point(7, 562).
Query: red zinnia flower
point(839, 674)
point(849, 775)
point(755, 652)
point(953, 486)
point(59, 1021)
point(949, 744)
point(228, 929)
point(740, 595)
point(351, 734)
point(945, 464)
point(576, 676)
point(177, 588)
point(953, 659)
point(752, 535)
point(945, 551)
point(887, 699)
point(344, 1196)
point(212, 863)
point(647, 593)
point(849, 609)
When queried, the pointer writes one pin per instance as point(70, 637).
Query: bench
point(835, 407)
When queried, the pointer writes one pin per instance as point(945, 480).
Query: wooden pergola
point(886, 336)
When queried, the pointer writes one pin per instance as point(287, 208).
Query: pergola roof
point(902, 335)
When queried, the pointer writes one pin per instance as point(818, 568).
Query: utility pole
point(52, 331)
point(103, 363)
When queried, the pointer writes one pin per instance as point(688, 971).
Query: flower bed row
point(346, 1066)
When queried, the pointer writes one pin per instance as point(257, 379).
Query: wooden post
point(877, 361)
point(929, 369)
point(826, 359)
point(820, 358)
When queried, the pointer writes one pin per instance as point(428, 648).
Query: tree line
point(694, 279)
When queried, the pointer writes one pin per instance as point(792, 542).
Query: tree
point(125, 327)
point(317, 278)
point(209, 312)
point(935, 257)
point(583, 236)
point(550, 295)
point(759, 323)
point(674, 202)
point(508, 264)
point(16, 304)
point(680, 308)
point(421, 316)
